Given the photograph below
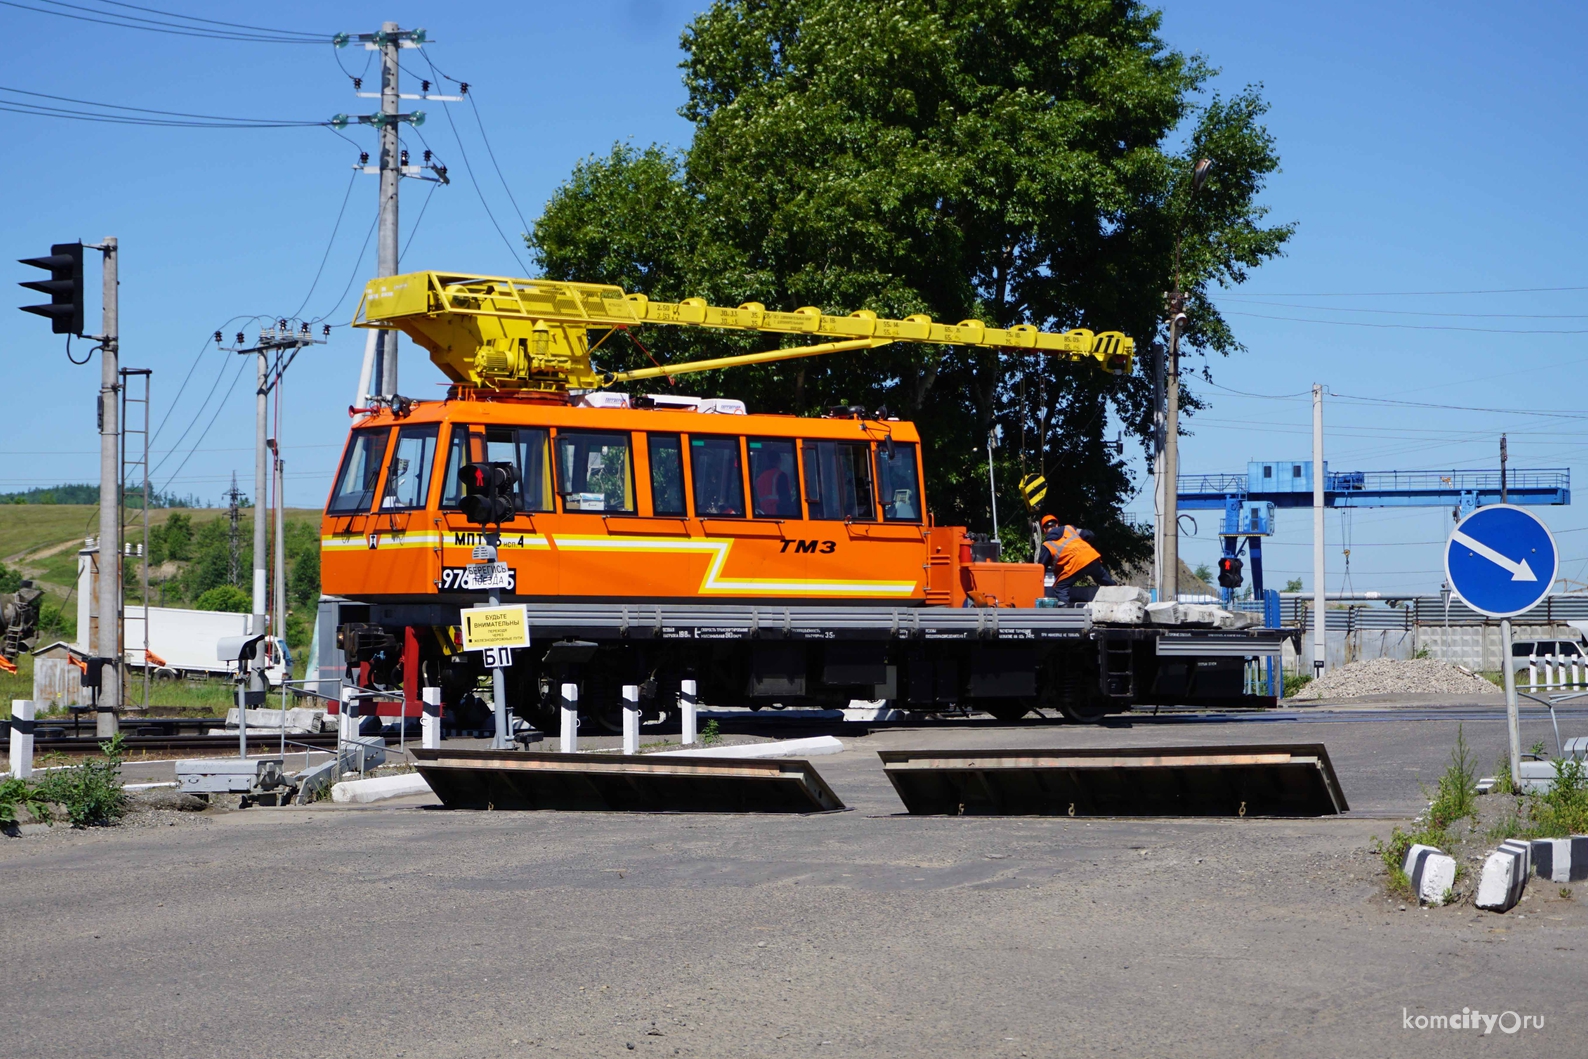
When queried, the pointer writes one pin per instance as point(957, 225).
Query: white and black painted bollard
point(430, 719)
point(570, 718)
point(347, 720)
point(631, 718)
point(687, 707)
point(23, 712)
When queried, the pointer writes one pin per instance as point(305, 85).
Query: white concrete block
point(1523, 847)
point(1165, 613)
point(380, 788)
point(1499, 887)
point(1561, 859)
point(1130, 613)
point(815, 746)
point(1200, 613)
point(1432, 873)
point(1122, 594)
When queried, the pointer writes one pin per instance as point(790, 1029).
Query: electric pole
point(274, 352)
point(378, 377)
point(1320, 633)
point(108, 640)
point(1504, 493)
point(233, 546)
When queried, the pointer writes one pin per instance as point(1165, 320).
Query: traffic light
point(65, 288)
point(488, 492)
point(1229, 572)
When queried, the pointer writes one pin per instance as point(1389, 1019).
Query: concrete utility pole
point(378, 376)
point(1505, 497)
point(1320, 632)
point(1168, 469)
point(108, 645)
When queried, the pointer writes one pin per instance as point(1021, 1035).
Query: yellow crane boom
point(500, 333)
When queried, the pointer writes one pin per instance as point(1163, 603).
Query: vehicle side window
point(595, 471)
point(457, 456)
point(524, 448)
point(898, 484)
point(360, 473)
point(838, 480)
point(667, 474)
point(719, 477)
point(408, 477)
point(774, 478)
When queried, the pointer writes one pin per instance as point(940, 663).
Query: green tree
point(225, 597)
point(1204, 572)
point(176, 537)
point(1012, 161)
point(1293, 585)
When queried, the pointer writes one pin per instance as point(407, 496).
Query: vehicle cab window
point(354, 492)
point(774, 478)
point(595, 472)
point(719, 477)
point(838, 480)
point(408, 477)
point(897, 482)
point(523, 447)
point(667, 474)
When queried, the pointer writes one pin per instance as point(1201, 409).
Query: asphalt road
point(406, 931)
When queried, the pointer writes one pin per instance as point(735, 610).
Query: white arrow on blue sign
point(1501, 560)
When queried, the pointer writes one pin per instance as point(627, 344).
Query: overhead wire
point(176, 29)
point(219, 408)
point(1414, 327)
point(172, 118)
point(331, 242)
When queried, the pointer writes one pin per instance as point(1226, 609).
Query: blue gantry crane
point(1249, 500)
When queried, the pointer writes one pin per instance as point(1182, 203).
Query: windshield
point(356, 481)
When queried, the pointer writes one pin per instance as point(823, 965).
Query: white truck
point(183, 643)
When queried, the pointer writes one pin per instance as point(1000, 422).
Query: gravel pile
point(1391, 676)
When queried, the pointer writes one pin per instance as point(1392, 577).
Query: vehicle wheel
point(166, 674)
point(1084, 712)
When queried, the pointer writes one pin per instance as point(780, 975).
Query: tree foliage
point(1012, 161)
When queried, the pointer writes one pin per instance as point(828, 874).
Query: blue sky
point(1425, 148)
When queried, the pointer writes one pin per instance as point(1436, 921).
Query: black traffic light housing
point(1230, 572)
point(488, 492)
point(65, 288)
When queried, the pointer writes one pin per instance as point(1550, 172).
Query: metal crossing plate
point(1262, 780)
point(495, 779)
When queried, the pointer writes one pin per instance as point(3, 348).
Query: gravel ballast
point(1391, 676)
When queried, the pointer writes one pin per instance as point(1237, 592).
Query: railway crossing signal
point(65, 288)
point(1229, 572)
point(488, 492)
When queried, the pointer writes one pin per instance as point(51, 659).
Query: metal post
point(992, 483)
point(631, 719)
point(503, 739)
point(570, 718)
point(1320, 617)
point(1513, 720)
point(430, 723)
point(1159, 361)
point(22, 714)
point(279, 628)
point(242, 716)
point(390, 171)
point(108, 641)
point(688, 705)
point(257, 681)
point(1169, 570)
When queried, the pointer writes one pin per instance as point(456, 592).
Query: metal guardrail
point(1424, 611)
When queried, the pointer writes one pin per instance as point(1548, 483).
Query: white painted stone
point(1431, 872)
point(815, 746)
point(380, 788)
point(1498, 886)
point(1525, 849)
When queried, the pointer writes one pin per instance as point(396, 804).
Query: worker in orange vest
point(1067, 556)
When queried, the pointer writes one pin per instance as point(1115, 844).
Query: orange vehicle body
point(759, 531)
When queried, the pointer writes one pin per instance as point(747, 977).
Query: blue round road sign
point(1500, 560)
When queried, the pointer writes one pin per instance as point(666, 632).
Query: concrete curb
point(1432, 873)
point(1504, 876)
point(815, 746)
point(379, 789)
point(1561, 859)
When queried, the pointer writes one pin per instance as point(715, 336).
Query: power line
point(357, 264)
point(417, 221)
point(186, 379)
point(328, 245)
point(145, 110)
point(1404, 293)
point(1547, 413)
point(1413, 327)
point(176, 29)
point(470, 169)
point(317, 37)
point(1416, 312)
point(200, 439)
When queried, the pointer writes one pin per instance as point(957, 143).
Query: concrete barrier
point(380, 788)
point(22, 726)
point(815, 746)
point(1432, 873)
point(1504, 875)
point(1561, 859)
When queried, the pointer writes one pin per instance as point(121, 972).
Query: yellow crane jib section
point(503, 333)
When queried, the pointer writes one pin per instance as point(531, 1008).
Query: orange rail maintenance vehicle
point(773, 559)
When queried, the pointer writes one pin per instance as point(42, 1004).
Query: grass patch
point(1562, 809)
point(1453, 798)
point(711, 733)
point(1294, 682)
point(20, 794)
